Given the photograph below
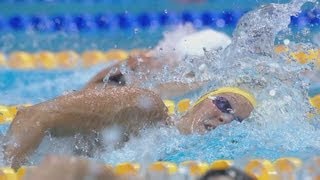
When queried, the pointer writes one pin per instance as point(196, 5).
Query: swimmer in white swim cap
point(184, 41)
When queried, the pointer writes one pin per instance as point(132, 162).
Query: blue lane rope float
point(124, 21)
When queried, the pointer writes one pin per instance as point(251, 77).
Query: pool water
point(278, 128)
point(23, 87)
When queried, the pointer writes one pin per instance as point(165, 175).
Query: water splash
point(278, 127)
point(257, 30)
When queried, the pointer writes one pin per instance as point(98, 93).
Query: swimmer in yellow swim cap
point(90, 111)
point(218, 107)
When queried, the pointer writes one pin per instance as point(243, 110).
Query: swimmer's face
point(212, 112)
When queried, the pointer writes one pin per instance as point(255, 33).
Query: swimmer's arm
point(81, 112)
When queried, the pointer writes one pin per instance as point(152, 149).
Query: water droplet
point(286, 42)
point(136, 30)
point(272, 92)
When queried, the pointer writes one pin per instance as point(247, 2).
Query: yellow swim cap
point(234, 90)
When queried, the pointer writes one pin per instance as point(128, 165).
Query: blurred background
point(54, 25)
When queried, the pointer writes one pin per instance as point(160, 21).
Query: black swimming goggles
point(224, 106)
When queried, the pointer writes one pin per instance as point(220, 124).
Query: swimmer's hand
point(70, 168)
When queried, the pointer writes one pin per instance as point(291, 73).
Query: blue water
point(35, 86)
point(233, 141)
point(21, 87)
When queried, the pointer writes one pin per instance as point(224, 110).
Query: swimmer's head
point(217, 108)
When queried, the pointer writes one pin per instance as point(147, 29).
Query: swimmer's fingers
point(69, 168)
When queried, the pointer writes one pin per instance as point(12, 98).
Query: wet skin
point(82, 112)
point(97, 107)
point(206, 116)
point(142, 61)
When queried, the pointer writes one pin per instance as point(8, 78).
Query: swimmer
point(102, 104)
point(142, 61)
point(184, 41)
point(90, 111)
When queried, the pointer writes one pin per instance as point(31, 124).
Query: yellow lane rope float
point(7, 113)
point(302, 56)
point(195, 168)
point(287, 167)
point(67, 59)
point(262, 169)
point(221, 164)
point(90, 58)
point(70, 59)
point(45, 60)
point(2, 60)
point(127, 169)
point(21, 60)
point(60, 60)
point(163, 167)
